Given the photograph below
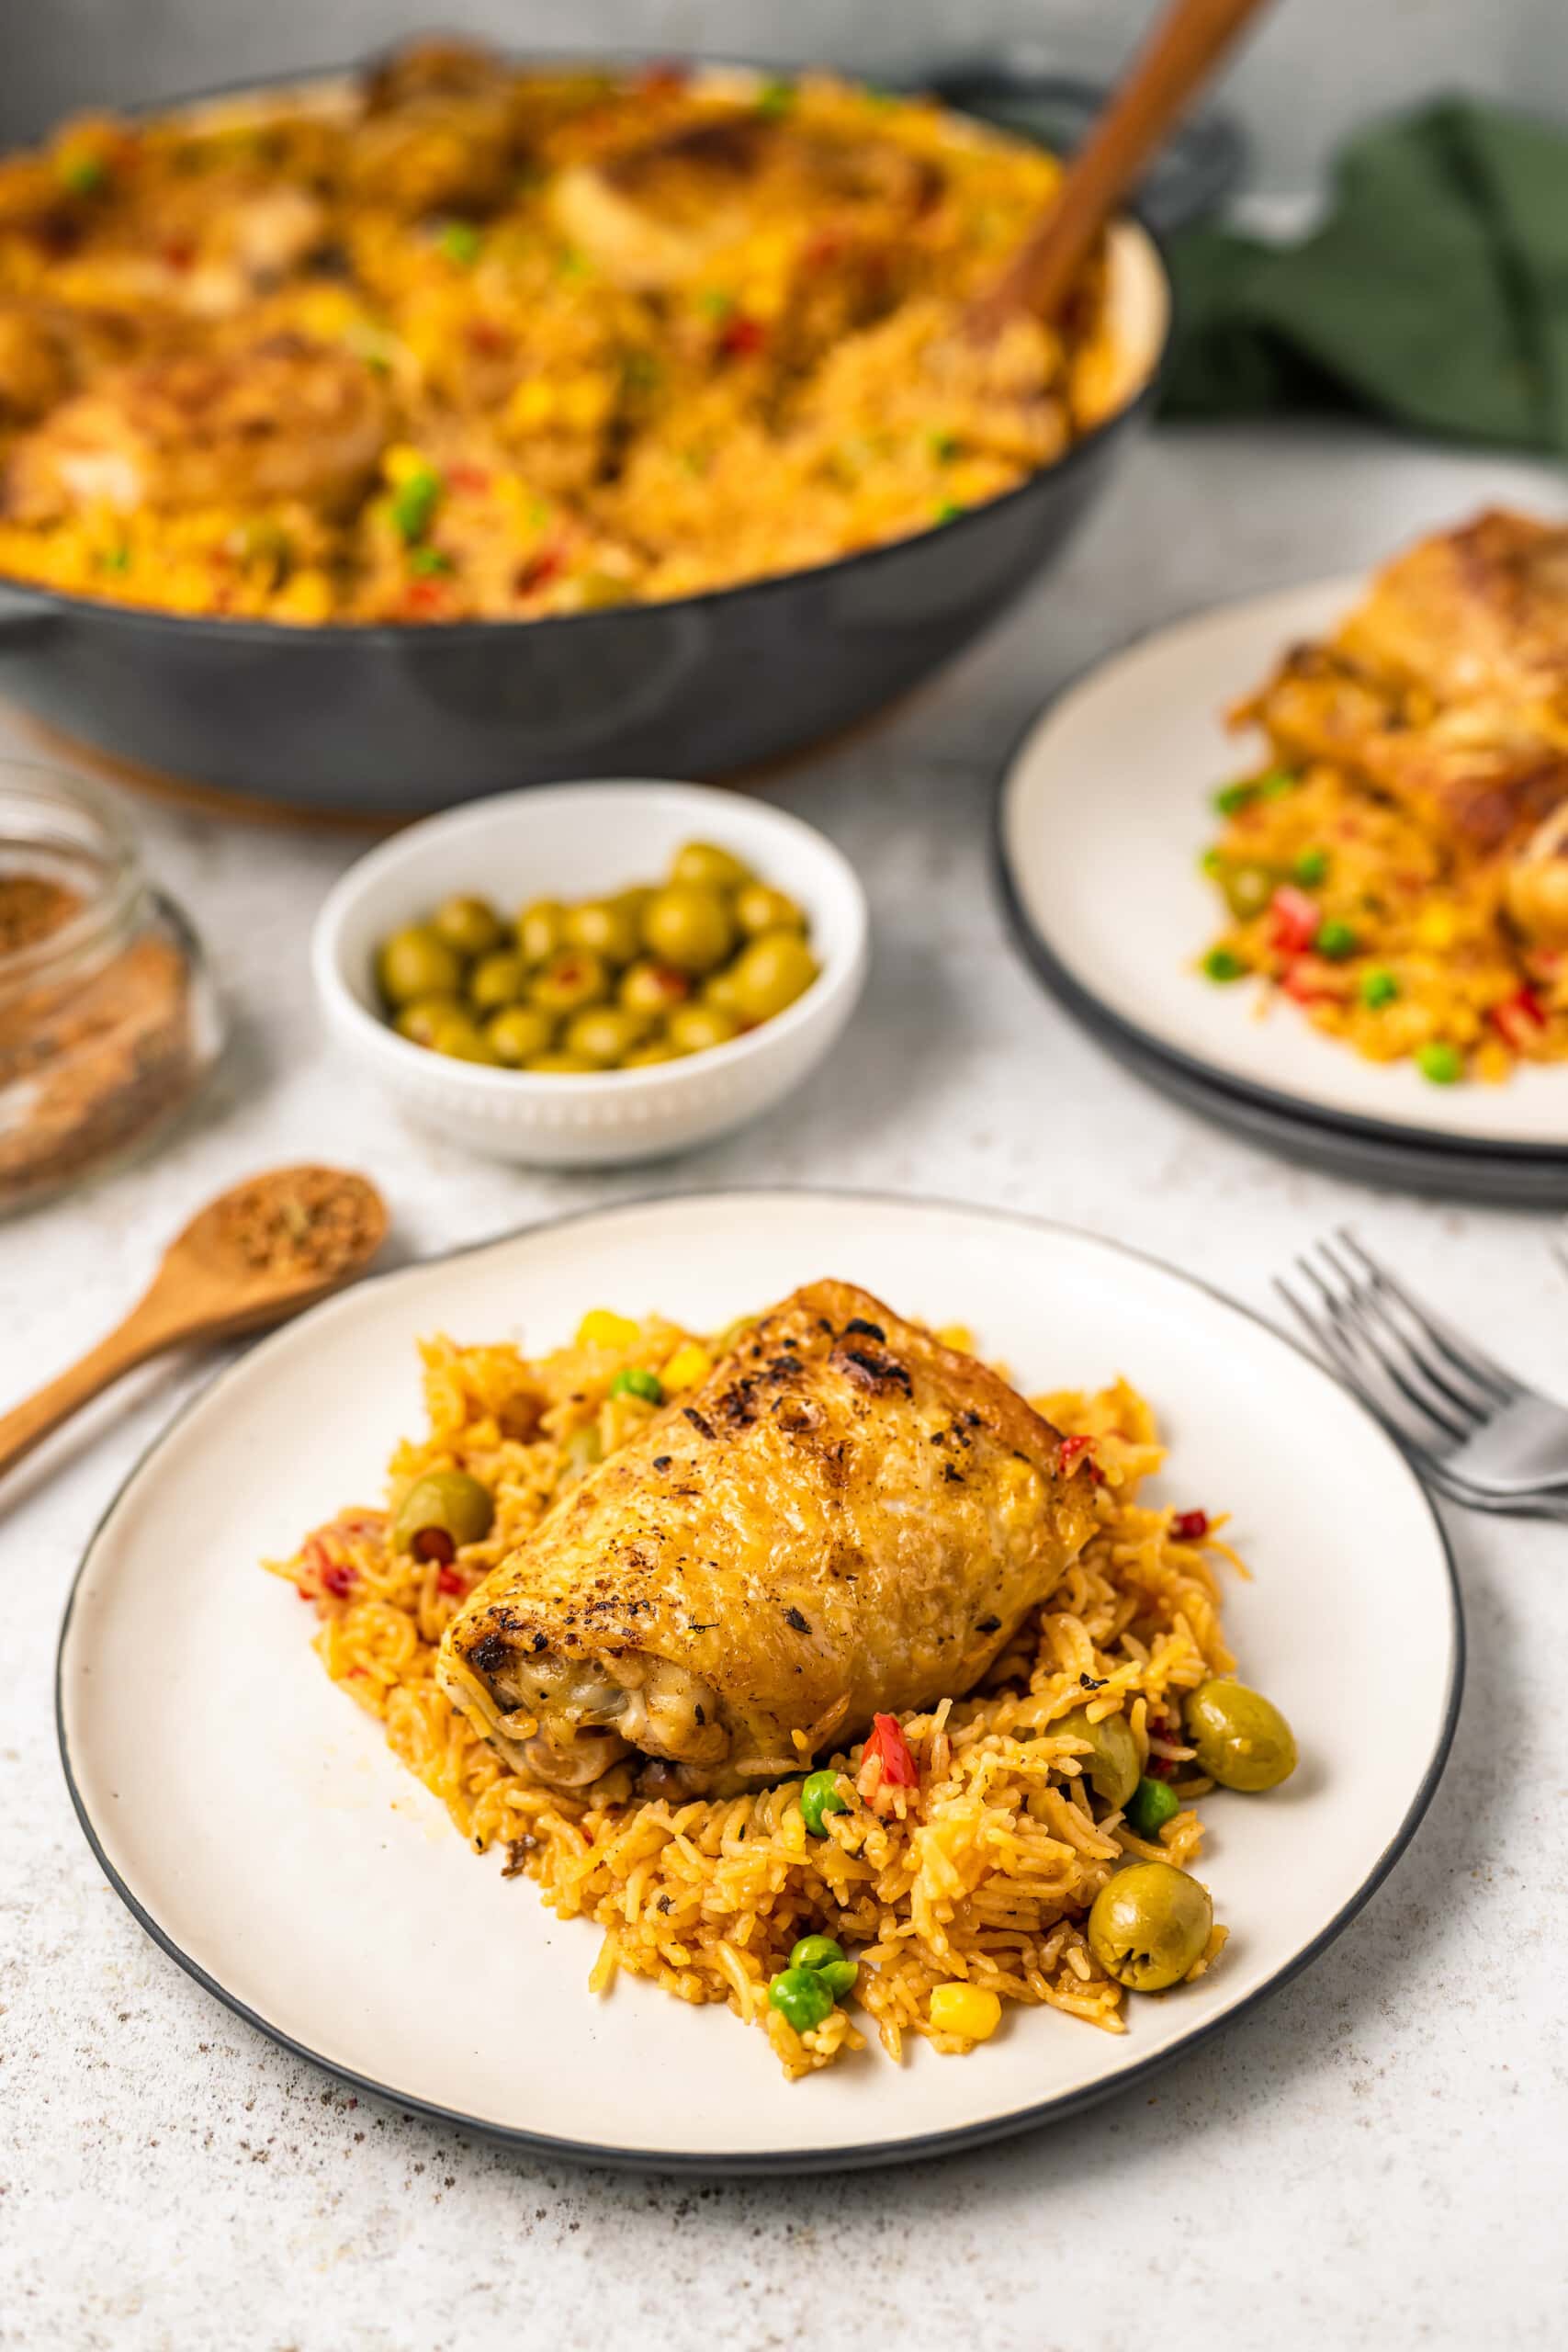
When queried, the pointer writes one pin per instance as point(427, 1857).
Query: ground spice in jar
point(109, 1023)
point(302, 1221)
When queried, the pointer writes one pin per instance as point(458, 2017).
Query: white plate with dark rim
point(1100, 816)
point(260, 1829)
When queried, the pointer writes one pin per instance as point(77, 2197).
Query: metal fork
point(1466, 1422)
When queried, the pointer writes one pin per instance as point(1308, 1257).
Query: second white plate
point(1103, 812)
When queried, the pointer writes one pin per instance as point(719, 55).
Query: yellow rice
point(984, 1874)
point(1435, 960)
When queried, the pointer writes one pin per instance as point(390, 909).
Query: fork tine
point(1385, 1333)
point(1348, 1318)
point(1370, 1382)
point(1462, 1352)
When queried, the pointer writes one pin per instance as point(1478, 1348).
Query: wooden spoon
point(1181, 53)
point(252, 1257)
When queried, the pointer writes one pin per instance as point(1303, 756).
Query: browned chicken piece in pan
point(652, 215)
point(439, 133)
point(285, 419)
point(846, 1518)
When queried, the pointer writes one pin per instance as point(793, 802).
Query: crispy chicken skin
point(846, 1517)
point(1447, 688)
point(284, 419)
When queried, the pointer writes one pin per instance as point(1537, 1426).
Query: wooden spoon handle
point(142, 1334)
point(1181, 53)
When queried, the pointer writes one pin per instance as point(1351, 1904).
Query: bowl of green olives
point(591, 973)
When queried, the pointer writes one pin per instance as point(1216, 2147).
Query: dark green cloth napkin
point(1435, 294)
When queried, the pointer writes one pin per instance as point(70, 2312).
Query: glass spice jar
point(108, 1017)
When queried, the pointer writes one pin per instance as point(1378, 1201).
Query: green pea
point(1222, 967)
point(1277, 784)
point(1336, 940)
point(815, 1951)
point(634, 1382)
point(1377, 987)
point(839, 1975)
point(460, 242)
point(819, 1795)
point(1439, 1063)
point(1311, 868)
point(1233, 797)
point(801, 1997)
point(414, 502)
point(1150, 1807)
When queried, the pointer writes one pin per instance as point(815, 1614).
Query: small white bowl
point(581, 841)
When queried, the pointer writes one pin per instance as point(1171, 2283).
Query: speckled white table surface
point(1378, 2156)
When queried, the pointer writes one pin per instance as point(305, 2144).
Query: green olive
point(688, 926)
point(634, 901)
point(498, 979)
point(603, 927)
point(658, 1049)
point(1241, 1738)
point(459, 1036)
point(760, 908)
point(604, 1034)
point(471, 926)
point(720, 989)
point(1149, 1926)
point(445, 1504)
point(418, 1021)
point(708, 866)
point(770, 974)
point(653, 988)
point(541, 930)
point(1113, 1768)
point(416, 961)
point(697, 1028)
point(1248, 885)
point(560, 1065)
point(519, 1032)
point(572, 979)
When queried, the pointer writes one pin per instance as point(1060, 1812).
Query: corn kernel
point(965, 2010)
point(581, 402)
point(401, 462)
point(602, 1328)
point(689, 1365)
point(532, 405)
point(1434, 927)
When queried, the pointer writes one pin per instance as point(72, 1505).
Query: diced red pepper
point(339, 1579)
point(1296, 920)
point(450, 1580)
point(890, 1747)
point(425, 596)
point(1079, 1449)
point(740, 338)
point(1519, 1018)
point(537, 570)
point(463, 477)
point(1311, 980)
point(1189, 1526)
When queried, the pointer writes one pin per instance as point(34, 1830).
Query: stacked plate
point(1100, 814)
